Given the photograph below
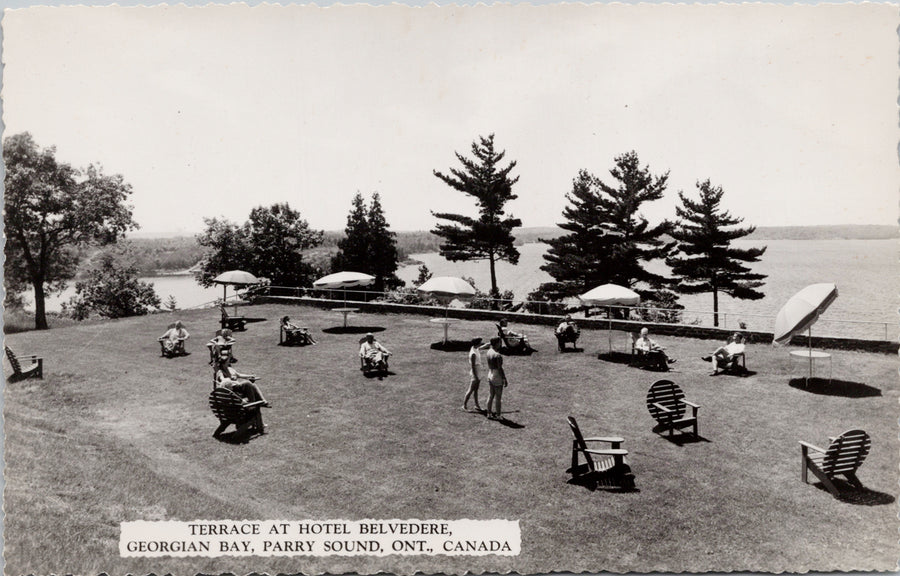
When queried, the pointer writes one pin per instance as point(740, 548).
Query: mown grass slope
point(114, 432)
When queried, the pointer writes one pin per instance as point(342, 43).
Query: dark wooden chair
point(232, 322)
point(34, 370)
point(666, 403)
point(293, 336)
point(512, 344)
point(569, 336)
point(736, 365)
point(230, 408)
point(606, 466)
point(647, 360)
point(845, 454)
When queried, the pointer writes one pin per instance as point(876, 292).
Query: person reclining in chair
point(222, 341)
point(293, 331)
point(567, 331)
point(373, 354)
point(241, 384)
point(654, 352)
point(725, 357)
point(512, 340)
point(173, 339)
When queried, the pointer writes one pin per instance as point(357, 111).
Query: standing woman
point(496, 378)
point(474, 374)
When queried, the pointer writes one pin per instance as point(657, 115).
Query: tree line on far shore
point(57, 215)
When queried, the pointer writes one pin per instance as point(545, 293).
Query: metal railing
point(727, 320)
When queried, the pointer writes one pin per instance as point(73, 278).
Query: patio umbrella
point(801, 312)
point(448, 288)
point(235, 278)
point(610, 295)
point(343, 280)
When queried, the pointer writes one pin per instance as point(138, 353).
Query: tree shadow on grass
point(841, 388)
point(857, 496)
point(452, 345)
point(353, 329)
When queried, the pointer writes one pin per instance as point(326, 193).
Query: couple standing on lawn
point(496, 376)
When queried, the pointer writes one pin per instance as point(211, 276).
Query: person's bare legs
point(473, 392)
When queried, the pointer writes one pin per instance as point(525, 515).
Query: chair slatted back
point(13, 361)
point(846, 453)
point(668, 394)
point(579, 443)
point(228, 406)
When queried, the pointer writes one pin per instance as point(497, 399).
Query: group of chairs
point(607, 466)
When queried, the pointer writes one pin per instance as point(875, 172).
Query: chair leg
point(851, 477)
point(220, 429)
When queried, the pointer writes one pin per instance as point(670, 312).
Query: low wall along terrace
point(685, 330)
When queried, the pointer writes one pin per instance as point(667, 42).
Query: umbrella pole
point(609, 331)
point(809, 344)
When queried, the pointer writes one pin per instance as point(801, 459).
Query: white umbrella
point(610, 295)
point(448, 288)
point(801, 312)
point(235, 278)
point(343, 280)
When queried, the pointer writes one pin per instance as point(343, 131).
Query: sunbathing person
point(241, 384)
point(293, 331)
point(654, 352)
point(372, 353)
point(173, 339)
point(222, 341)
point(725, 355)
point(513, 340)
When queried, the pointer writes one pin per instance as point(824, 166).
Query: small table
point(811, 356)
point(446, 322)
point(345, 312)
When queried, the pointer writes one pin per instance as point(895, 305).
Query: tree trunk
point(40, 316)
point(715, 307)
point(495, 293)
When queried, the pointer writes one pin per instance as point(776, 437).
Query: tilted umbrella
point(801, 312)
point(610, 295)
point(343, 280)
point(235, 278)
point(448, 288)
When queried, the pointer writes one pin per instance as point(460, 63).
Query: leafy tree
point(490, 235)
point(608, 240)
point(353, 248)
point(270, 244)
point(51, 211)
point(111, 289)
point(704, 260)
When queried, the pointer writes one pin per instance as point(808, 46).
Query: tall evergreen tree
point(353, 248)
point(608, 240)
point(704, 260)
point(383, 256)
point(490, 235)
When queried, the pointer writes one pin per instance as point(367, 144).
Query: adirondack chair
point(368, 366)
point(232, 322)
point(35, 369)
point(567, 337)
point(512, 344)
point(843, 457)
point(178, 350)
point(605, 465)
point(737, 364)
point(230, 408)
point(290, 336)
point(666, 403)
point(643, 359)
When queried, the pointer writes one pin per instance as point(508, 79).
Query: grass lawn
point(114, 432)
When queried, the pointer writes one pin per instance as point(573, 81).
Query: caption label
point(320, 538)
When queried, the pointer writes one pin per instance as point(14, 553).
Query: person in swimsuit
point(474, 374)
point(496, 378)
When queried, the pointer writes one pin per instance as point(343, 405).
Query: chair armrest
point(254, 404)
point(607, 439)
point(811, 446)
point(694, 407)
point(608, 452)
point(30, 356)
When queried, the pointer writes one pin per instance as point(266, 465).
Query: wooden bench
point(232, 322)
point(666, 403)
point(845, 454)
point(605, 465)
point(230, 408)
point(34, 370)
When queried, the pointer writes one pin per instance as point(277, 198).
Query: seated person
point(241, 384)
point(654, 352)
point(222, 341)
point(511, 339)
point(567, 331)
point(372, 353)
point(725, 356)
point(294, 332)
point(173, 340)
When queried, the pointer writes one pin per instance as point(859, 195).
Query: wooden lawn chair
point(178, 350)
point(367, 366)
point(567, 337)
point(605, 465)
point(230, 408)
point(845, 454)
point(644, 359)
point(34, 370)
point(512, 344)
point(666, 403)
point(291, 336)
point(232, 322)
point(737, 364)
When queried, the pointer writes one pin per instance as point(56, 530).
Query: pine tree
point(704, 260)
point(383, 256)
point(353, 248)
point(608, 240)
point(490, 235)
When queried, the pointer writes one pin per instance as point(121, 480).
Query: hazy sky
point(209, 111)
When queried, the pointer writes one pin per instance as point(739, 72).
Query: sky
point(211, 111)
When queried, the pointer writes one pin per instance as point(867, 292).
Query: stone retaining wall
point(685, 330)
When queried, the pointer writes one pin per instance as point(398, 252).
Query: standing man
point(474, 374)
point(496, 378)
